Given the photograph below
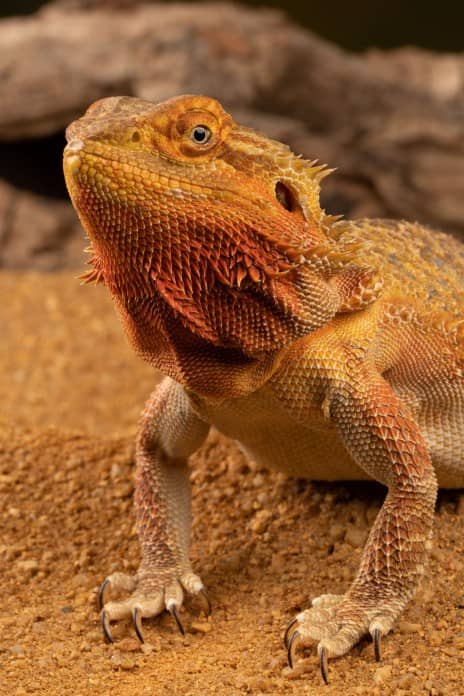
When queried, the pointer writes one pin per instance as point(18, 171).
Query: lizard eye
point(200, 135)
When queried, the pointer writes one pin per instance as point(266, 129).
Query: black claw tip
point(207, 600)
point(175, 614)
point(323, 664)
point(106, 626)
point(293, 638)
point(101, 594)
point(137, 621)
point(376, 635)
point(287, 631)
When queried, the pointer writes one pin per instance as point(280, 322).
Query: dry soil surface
point(70, 392)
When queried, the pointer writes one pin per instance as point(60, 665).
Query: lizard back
point(417, 262)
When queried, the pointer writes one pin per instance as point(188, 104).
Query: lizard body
point(328, 349)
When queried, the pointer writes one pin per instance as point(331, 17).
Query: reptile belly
point(266, 434)
point(301, 453)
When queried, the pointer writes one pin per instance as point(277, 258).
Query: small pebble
point(258, 481)
point(128, 645)
point(80, 580)
point(260, 521)
point(148, 648)
point(383, 674)
point(450, 650)
point(17, 650)
point(29, 566)
point(409, 627)
point(76, 628)
point(409, 681)
point(436, 638)
point(301, 666)
point(119, 661)
point(200, 627)
point(356, 537)
point(337, 531)
point(66, 610)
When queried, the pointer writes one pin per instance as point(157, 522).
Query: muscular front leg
point(384, 440)
point(169, 432)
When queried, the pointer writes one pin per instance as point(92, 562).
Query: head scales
point(200, 234)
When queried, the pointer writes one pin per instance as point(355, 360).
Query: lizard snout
point(74, 146)
point(71, 156)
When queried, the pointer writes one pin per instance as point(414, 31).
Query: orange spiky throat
point(231, 281)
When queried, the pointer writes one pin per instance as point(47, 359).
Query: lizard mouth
point(80, 156)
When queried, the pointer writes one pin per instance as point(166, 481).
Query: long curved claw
point(101, 594)
point(105, 623)
point(207, 600)
point(323, 664)
point(137, 621)
point(288, 629)
point(293, 638)
point(376, 636)
point(173, 610)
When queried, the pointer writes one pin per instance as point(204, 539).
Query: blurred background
point(355, 25)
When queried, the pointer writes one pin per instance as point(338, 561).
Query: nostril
point(135, 137)
point(286, 197)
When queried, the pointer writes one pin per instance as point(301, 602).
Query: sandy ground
point(70, 394)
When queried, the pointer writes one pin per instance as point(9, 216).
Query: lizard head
point(200, 223)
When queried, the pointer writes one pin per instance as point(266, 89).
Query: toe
point(192, 583)
point(340, 643)
point(146, 606)
point(327, 601)
point(315, 624)
point(122, 581)
point(117, 610)
point(118, 581)
point(174, 595)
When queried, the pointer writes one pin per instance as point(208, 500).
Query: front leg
point(169, 432)
point(386, 442)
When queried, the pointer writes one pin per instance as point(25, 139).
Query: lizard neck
point(244, 301)
point(217, 339)
point(201, 367)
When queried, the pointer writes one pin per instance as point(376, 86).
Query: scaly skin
point(329, 349)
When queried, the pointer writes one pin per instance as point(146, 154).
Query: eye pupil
point(201, 134)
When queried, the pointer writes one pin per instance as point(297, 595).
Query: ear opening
point(287, 198)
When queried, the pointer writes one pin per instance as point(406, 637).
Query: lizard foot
point(338, 622)
point(149, 597)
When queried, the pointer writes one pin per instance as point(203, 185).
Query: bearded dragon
point(328, 349)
